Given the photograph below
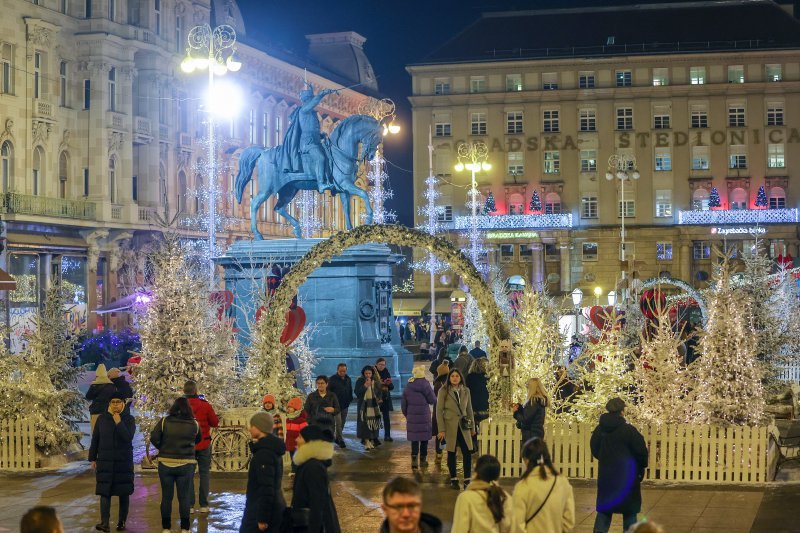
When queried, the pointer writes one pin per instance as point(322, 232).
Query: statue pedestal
point(348, 298)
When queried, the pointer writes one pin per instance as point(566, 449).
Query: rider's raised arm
point(313, 102)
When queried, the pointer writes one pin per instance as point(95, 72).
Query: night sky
point(398, 33)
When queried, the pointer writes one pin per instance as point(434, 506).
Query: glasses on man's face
point(400, 507)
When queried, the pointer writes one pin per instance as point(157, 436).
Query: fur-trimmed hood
point(316, 449)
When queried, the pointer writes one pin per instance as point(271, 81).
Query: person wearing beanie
point(264, 503)
point(295, 422)
point(416, 405)
point(312, 485)
point(441, 378)
point(621, 454)
point(111, 454)
point(99, 394)
point(123, 387)
point(207, 418)
point(268, 403)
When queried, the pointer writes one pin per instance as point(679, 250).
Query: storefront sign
point(512, 235)
point(746, 230)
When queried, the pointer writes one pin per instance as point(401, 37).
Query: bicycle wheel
point(230, 451)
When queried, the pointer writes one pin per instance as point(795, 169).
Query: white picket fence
point(790, 373)
point(236, 458)
point(17, 445)
point(682, 453)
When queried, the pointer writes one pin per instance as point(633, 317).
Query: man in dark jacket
point(312, 492)
point(476, 352)
point(387, 386)
point(322, 404)
point(263, 509)
point(621, 454)
point(111, 454)
point(341, 386)
point(402, 506)
point(207, 419)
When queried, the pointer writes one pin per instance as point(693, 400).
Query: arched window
point(112, 180)
point(777, 198)
point(738, 198)
point(37, 169)
point(552, 203)
point(181, 192)
point(516, 204)
point(700, 199)
point(63, 174)
point(6, 164)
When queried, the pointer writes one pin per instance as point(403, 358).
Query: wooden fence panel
point(17, 444)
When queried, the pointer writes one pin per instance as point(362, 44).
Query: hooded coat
point(265, 501)
point(621, 454)
point(415, 404)
point(312, 486)
point(112, 448)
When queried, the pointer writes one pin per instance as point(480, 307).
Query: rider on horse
point(302, 152)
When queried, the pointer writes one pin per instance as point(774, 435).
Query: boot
point(424, 461)
point(121, 525)
point(454, 483)
point(102, 527)
point(414, 462)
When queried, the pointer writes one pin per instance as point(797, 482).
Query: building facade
point(709, 111)
point(102, 137)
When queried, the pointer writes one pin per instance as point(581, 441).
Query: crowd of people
point(447, 409)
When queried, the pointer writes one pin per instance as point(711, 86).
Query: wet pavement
point(358, 479)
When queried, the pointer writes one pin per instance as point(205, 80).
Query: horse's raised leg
point(284, 197)
point(255, 203)
point(352, 188)
point(344, 197)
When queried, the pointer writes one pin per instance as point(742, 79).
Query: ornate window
point(62, 84)
point(112, 89)
point(516, 204)
point(112, 180)
point(6, 164)
point(37, 169)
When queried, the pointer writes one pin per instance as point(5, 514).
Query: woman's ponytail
point(487, 469)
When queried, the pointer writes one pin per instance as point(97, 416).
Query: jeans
point(204, 468)
point(341, 419)
point(180, 476)
point(467, 457)
point(387, 424)
point(419, 447)
point(105, 508)
point(603, 522)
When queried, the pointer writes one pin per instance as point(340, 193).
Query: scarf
point(371, 415)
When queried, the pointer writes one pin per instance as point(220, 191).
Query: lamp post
point(577, 296)
point(623, 168)
point(612, 298)
point(472, 156)
point(212, 50)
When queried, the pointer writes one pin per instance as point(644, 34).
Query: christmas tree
point(713, 199)
point(182, 339)
point(265, 371)
point(489, 206)
point(536, 203)
point(726, 381)
point(474, 327)
point(761, 197)
point(306, 357)
point(41, 384)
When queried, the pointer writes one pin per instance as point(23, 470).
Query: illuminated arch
point(694, 293)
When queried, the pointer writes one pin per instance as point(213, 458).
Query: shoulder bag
point(555, 478)
point(465, 423)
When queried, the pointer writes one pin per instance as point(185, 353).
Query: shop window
point(506, 253)
point(552, 254)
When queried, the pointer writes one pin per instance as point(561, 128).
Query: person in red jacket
point(295, 421)
point(207, 419)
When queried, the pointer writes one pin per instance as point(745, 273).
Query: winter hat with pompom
point(101, 375)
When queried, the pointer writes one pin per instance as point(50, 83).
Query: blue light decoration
point(489, 206)
point(536, 203)
point(738, 216)
point(713, 199)
point(761, 197)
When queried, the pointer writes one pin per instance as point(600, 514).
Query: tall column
point(686, 263)
point(537, 266)
point(566, 282)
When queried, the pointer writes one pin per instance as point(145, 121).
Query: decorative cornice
point(115, 140)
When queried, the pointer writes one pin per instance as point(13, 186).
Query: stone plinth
point(349, 299)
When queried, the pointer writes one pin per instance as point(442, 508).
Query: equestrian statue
point(309, 160)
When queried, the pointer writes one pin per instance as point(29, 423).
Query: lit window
point(588, 160)
point(774, 72)
point(586, 80)
point(737, 156)
point(697, 75)
point(700, 158)
point(660, 76)
point(516, 204)
point(441, 86)
point(552, 203)
point(775, 156)
point(663, 159)
point(442, 129)
point(664, 203)
point(513, 82)
point(777, 198)
point(624, 118)
point(699, 116)
point(550, 81)
point(550, 121)
point(589, 206)
point(736, 116)
point(664, 251)
point(589, 251)
point(477, 123)
point(736, 74)
point(514, 122)
point(477, 84)
point(775, 114)
point(587, 120)
point(701, 250)
point(700, 199)
point(661, 117)
point(516, 164)
point(624, 78)
point(552, 162)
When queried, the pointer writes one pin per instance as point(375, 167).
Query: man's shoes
point(388, 439)
point(376, 442)
point(102, 527)
point(203, 510)
point(454, 484)
point(121, 526)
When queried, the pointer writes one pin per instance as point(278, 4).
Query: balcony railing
point(738, 216)
point(44, 109)
point(24, 204)
point(554, 221)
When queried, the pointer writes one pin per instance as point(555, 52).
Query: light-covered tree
point(41, 383)
point(306, 357)
point(474, 327)
point(265, 370)
point(726, 379)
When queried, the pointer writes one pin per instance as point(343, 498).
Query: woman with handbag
point(530, 415)
point(456, 424)
point(368, 420)
point(543, 500)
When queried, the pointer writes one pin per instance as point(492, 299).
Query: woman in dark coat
point(111, 454)
point(417, 398)
point(441, 378)
point(387, 386)
point(368, 417)
point(311, 495)
point(530, 415)
point(477, 383)
point(621, 454)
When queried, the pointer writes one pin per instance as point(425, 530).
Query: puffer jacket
point(417, 398)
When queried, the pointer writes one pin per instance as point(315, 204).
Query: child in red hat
point(295, 421)
point(268, 403)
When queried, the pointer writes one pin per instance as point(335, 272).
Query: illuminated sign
point(512, 235)
point(751, 230)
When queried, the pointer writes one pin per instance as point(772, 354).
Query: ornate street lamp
point(472, 156)
point(212, 50)
point(577, 297)
point(623, 168)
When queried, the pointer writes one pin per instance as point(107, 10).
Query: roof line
point(624, 7)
